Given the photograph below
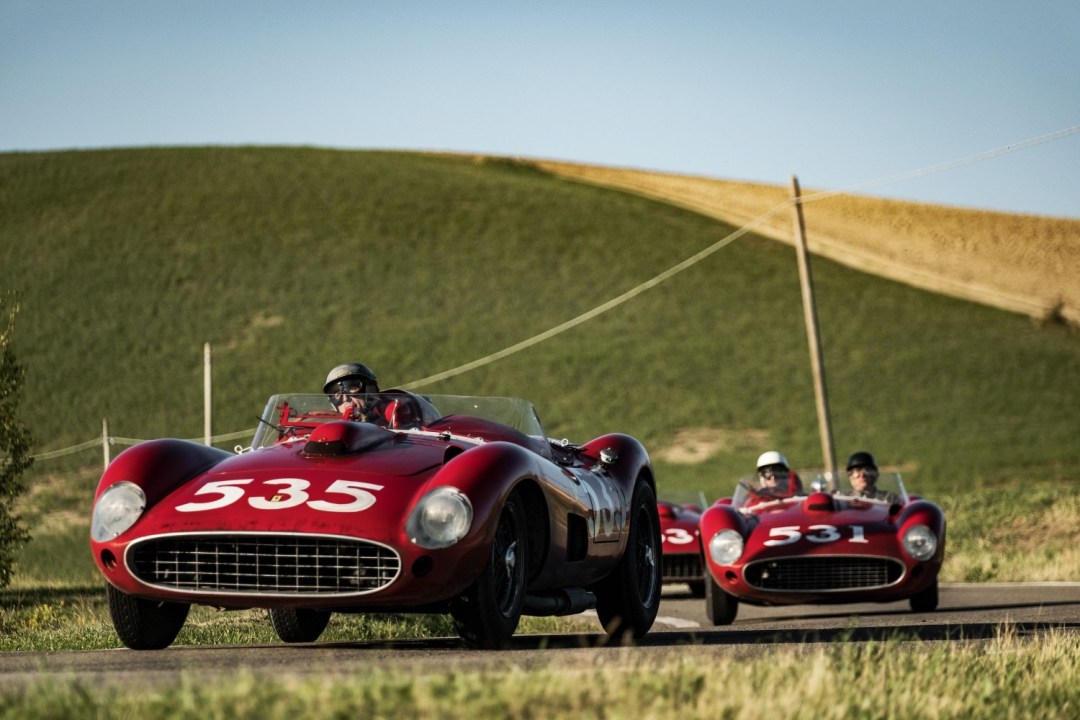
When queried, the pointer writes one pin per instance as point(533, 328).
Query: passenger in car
point(863, 474)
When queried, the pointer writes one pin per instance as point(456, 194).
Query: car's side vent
point(577, 538)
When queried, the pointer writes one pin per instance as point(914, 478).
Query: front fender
point(160, 466)
point(486, 474)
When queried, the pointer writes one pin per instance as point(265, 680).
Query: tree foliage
point(15, 441)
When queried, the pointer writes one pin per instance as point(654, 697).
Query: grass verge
point(997, 678)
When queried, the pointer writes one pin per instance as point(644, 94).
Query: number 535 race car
point(792, 546)
point(432, 504)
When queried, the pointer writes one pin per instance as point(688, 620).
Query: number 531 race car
point(432, 504)
point(791, 546)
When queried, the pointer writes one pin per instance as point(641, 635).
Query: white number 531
point(788, 534)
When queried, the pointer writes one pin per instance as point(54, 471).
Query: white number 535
point(291, 492)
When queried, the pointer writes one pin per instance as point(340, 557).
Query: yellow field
point(1023, 263)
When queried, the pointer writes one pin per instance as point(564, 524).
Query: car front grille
point(680, 568)
point(823, 574)
point(257, 564)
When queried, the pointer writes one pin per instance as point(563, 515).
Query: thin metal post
point(105, 441)
point(817, 357)
point(207, 357)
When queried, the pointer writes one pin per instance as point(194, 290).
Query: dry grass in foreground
point(1022, 263)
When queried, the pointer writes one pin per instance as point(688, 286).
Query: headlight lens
point(440, 519)
point(116, 510)
point(725, 547)
point(920, 542)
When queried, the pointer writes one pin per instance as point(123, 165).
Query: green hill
point(291, 260)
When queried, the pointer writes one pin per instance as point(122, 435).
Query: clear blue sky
point(837, 93)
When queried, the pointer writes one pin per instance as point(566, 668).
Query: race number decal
point(820, 534)
point(285, 493)
point(677, 536)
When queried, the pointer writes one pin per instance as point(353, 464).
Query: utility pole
point(817, 358)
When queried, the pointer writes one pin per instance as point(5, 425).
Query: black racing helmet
point(861, 459)
point(350, 373)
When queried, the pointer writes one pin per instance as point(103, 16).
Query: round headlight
point(920, 542)
point(440, 519)
point(116, 510)
point(725, 547)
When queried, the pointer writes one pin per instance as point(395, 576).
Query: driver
point(863, 474)
point(774, 474)
point(349, 387)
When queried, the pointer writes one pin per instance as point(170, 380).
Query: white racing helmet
point(772, 458)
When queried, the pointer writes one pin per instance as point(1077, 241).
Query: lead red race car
point(428, 504)
point(821, 545)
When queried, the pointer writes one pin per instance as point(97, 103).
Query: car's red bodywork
point(320, 515)
point(683, 560)
point(823, 547)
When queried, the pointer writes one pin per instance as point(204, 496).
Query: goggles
point(868, 472)
point(772, 471)
point(342, 388)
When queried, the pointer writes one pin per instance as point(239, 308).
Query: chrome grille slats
point(827, 573)
point(287, 565)
point(683, 567)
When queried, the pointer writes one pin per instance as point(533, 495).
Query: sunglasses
point(774, 471)
point(865, 471)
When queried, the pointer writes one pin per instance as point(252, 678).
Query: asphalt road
point(967, 613)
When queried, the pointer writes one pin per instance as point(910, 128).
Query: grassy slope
point(1022, 263)
point(290, 260)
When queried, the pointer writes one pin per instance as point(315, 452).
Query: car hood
point(286, 488)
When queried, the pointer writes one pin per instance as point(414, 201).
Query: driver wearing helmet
point(349, 387)
point(774, 475)
point(863, 474)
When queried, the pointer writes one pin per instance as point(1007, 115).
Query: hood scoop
point(344, 437)
point(819, 502)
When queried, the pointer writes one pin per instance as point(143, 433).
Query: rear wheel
point(487, 614)
point(719, 606)
point(145, 624)
point(925, 600)
point(628, 599)
point(299, 626)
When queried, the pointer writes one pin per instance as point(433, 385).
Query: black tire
point(145, 624)
point(719, 605)
point(925, 600)
point(627, 600)
point(487, 614)
point(299, 626)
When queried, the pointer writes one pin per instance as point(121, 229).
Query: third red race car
point(821, 545)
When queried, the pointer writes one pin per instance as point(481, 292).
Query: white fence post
point(207, 356)
point(105, 440)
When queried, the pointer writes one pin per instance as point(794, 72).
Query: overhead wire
point(659, 278)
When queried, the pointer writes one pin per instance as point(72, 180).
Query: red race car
point(793, 546)
point(432, 504)
point(684, 563)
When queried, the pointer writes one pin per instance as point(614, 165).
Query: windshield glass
point(886, 487)
point(295, 415)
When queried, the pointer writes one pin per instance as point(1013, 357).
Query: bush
point(14, 444)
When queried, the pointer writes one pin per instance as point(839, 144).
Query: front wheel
point(627, 600)
point(925, 600)
point(719, 605)
point(145, 624)
point(487, 613)
point(299, 626)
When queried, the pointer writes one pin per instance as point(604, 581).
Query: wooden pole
point(817, 358)
point(207, 357)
